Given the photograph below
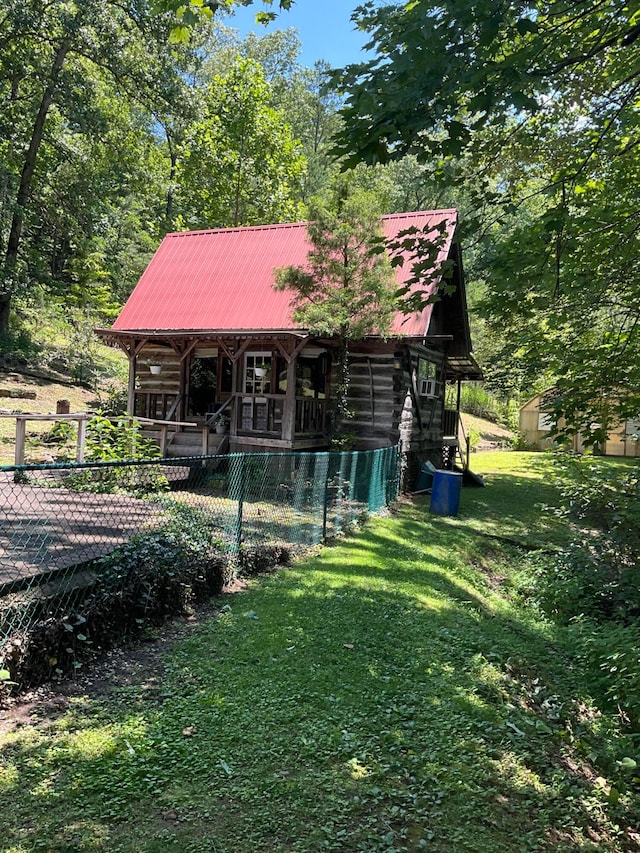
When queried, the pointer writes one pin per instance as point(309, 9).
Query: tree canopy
point(443, 70)
point(239, 163)
point(531, 110)
point(111, 135)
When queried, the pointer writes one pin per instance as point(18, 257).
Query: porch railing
point(311, 416)
point(452, 427)
point(263, 413)
point(155, 405)
point(260, 413)
point(450, 422)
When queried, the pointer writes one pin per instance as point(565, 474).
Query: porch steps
point(188, 442)
point(451, 445)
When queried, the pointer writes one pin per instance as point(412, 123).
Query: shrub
point(262, 558)
point(116, 442)
point(593, 583)
point(596, 574)
point(112, 400)
point(612, 652)
point(60, 433)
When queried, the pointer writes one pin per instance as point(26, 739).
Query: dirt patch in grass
point(138, 666)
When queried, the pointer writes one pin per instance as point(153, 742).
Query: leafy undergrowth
point(382, 696)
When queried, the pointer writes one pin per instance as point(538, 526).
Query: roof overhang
point(119, 335)
point(463, 367)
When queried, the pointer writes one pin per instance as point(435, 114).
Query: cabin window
point(632, 429)
point(545, 421)
point(428, 385)
point(257, 372)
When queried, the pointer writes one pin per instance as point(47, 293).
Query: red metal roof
point(222, 279)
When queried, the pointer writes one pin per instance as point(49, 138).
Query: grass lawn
point(384, 695)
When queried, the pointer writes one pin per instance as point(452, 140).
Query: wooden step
point(188, 442)
point(188, 446)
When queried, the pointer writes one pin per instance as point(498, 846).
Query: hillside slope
point(35, 393)
point(491, 436)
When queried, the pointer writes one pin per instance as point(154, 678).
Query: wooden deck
point(44, 529)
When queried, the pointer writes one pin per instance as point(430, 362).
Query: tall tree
point(60, 47)
point(346, 290)
point(302, 94)
point(537, 101)
point(240, 164)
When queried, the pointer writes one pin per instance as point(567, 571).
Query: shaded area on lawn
point(380, 697)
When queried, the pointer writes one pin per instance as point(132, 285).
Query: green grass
point(382, 696)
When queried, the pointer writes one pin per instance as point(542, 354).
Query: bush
point(117, 442)
point(262, 558)
point(612, 653)
point(112, 400)
point(596, 575)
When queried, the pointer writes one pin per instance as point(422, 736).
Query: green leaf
point(526, 25)
point(522, 101)
point(179, 35)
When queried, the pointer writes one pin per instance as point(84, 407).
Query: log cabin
point(218, 363)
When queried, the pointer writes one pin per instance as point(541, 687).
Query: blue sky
point(324, 27)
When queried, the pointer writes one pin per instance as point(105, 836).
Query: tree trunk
point(24, 188)
point(340, 405)
point(173, 160)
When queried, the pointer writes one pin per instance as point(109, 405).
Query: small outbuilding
point(536, 422)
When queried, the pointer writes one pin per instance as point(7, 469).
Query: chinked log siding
point(156, 394)
point(371, 399)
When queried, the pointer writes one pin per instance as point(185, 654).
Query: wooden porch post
point(183, 389)
point(131, 390)
point(21, 433)
point(236, 373)
point(81, 439)
point(289, 409)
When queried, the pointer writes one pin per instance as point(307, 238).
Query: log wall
point(384, 398)
point(156, 394)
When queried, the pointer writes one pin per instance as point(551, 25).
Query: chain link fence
point(61, 525)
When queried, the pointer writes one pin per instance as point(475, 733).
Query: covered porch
point(233, 391)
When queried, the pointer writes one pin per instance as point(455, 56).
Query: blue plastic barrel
point(445, 492)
